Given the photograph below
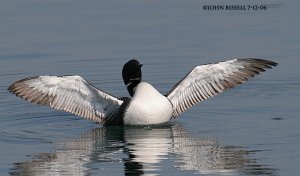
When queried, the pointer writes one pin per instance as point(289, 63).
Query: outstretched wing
point(206, 81)
point(68, 93)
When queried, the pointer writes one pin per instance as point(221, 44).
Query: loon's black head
point(132, 75)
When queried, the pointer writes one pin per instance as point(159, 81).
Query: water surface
point(250, 130)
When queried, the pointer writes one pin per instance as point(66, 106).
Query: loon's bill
point(146, 106)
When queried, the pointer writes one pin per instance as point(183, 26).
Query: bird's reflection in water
point(142, 151)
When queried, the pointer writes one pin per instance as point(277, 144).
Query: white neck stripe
point(128, 84)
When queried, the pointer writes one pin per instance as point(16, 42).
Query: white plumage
point(206, 81)
point(147, 106)
point(69, 93)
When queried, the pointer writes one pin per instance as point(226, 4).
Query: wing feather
point(206, 81)
point(68, 93)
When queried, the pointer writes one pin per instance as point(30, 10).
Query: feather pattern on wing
point(206, 81)
point(68, 93)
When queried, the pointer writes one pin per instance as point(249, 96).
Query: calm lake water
point(250, 130)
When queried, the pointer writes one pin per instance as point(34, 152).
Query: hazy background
point(251, 130)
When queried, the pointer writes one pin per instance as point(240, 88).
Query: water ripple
point(143, 151)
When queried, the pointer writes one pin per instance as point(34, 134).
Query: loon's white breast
point(147, 107)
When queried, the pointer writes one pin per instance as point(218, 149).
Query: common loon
point(146, 106)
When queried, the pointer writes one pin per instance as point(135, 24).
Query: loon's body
point(146, 106)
